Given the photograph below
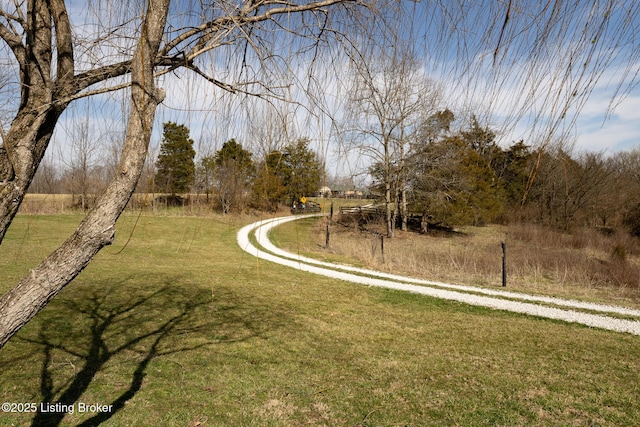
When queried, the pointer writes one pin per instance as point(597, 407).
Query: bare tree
point(575, 188)
point(43, 99)
point(56, 68)
point(268, 129)
point(388, 101)
point(45, 180)
point(82, 163)
point(627, 176)
point(520, 64)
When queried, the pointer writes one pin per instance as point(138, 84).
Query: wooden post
point(504, 264)
point(382, 246)
point(326, 242)
point(331, 211)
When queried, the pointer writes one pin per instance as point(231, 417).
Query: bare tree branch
point(98, 228)
point(45, 96)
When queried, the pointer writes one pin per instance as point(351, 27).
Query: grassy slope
point(539, 261)
point(185, 328)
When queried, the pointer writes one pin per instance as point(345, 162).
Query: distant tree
point(632, 220)
point(46, 180)
point(389, 99)
point(513, 168)
point(482, 140)
point(82, 164)
point(435, 126)
point(232, 175)
point(590, 189)
point(435, 179)
point(624, 192)
point(268, 190)
point(232, 151)
point(568, 188)
point(429, 182)
point(484, 195)
point(480, 197)
point(176, 167)
point(146, 183)
point(452, 176)
point(287, 175)
point(204, 175)
point(267, 129)
point(302, 171)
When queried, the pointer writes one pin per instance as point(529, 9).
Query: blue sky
point(458, 53)
point(484, 66)
point(520, 70)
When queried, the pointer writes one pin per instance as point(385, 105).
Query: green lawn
point(179, 327)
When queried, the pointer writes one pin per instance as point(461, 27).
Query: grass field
point(175, 325)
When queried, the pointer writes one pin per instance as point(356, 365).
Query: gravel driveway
point(593, 315)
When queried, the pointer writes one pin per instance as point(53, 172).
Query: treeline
point(231, 179)
point(465, 177)
point(234, 181)
point(450, 177)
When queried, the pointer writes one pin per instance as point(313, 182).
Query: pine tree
point(288, 175)
point(268, 186)
point(302, 170)
point(176, 167)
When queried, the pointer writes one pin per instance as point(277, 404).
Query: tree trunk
point(403, 208)
point(31, 130)
point(402, 178)
point(387, 192)
point(403, 189)
point(25, 144)
point(97, 230)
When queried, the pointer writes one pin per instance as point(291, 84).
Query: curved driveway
point(548, 307)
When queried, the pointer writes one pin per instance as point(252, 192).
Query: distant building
point(324, 192)
point(347, 192)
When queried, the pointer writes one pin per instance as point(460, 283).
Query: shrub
point(632, 221)
point(619, 253)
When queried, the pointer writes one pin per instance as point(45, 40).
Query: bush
point(632, 221)
point(171, 200)
point(619, 253)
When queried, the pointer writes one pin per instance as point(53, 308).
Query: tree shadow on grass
point(90, 328)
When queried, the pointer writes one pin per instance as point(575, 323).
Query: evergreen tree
point(480, 196)
point(453, 179)
point(302, 170)
point(513, 168)
point(176, 167)
point(482, 140)
point(288, 175)
point(268, 186)
point(233, 153)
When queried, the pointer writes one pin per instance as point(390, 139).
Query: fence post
point(504, 264)
point(382, 246)
point(326, 242)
